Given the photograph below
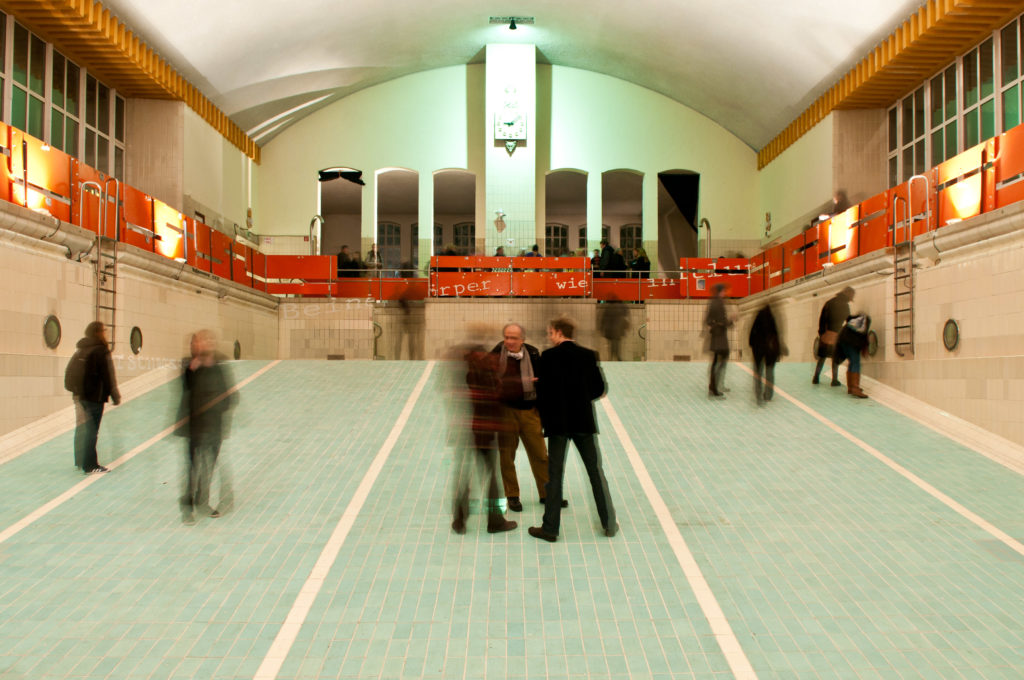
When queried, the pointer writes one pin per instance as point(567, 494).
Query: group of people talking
point(513, 392)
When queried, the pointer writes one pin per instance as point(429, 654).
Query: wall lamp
point(512, 22)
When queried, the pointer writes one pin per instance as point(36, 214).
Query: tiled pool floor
point(818, 536)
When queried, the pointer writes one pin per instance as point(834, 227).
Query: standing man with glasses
point(517, 367)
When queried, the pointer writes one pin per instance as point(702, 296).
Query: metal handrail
point(707, 240)
point(313, 240)
point(81, 195)
point(117, 205)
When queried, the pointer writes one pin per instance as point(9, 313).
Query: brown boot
point(496, 523)
point(853, 386)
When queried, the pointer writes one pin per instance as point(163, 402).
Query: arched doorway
point(455, 213)
point(678, 194)
point(565, 212)
point(397, 217)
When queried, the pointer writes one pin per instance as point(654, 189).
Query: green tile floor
point(826, 563)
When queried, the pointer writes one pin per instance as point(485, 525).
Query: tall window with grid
point(1010, 73)
point(53, 99)
point(65, 79)
point(556, 239)
point(978, 98)
point(630, 237)
point(465, 238)
point(945, 142)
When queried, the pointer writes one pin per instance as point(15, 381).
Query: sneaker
point(100, 468)
point(188, 519)
point(214, 514)
point(611, 532)
point(515, 504)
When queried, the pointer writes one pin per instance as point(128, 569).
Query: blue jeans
point(586, 444)
point(849, 352)
point(88, 415)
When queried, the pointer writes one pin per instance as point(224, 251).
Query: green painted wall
point(435, 119)
point(797, 183)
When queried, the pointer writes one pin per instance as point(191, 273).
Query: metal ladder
point(903, 269)
point(105, 262)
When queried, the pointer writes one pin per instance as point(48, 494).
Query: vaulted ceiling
point(766, 71)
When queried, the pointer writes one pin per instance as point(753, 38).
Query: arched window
point(630, 237)
point(556, 239)
point(465, 238)
point(389, 245)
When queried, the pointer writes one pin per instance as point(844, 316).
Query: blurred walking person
point(90, 379)
point(205, 402)
point(766, 347)
point(613, 320)
point(478, 419)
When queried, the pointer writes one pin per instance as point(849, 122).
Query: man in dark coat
point(205, 401)
point(765, 346)
point(569, 382)
point(717, 324)
point(605, 261)
point(98, 383)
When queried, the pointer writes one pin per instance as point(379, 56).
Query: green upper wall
point(430, 120)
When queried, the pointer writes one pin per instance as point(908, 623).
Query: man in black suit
point(569, 381)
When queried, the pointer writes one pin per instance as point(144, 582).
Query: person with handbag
point(830, 322)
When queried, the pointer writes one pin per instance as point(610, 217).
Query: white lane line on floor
point(24, 439)
point(975, 519)
point(285, 638)
point(727, 640)
point(95, 477)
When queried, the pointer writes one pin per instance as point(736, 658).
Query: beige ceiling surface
point(750, 66)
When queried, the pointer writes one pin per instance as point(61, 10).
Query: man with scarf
point(518, 394)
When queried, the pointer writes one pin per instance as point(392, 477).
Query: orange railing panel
point(5, 177)
point(842, 236)
point(958, 186)
point(199, 238)
point(793, 266)
point(873, 227)
point(220, 254)
point(757, 273)
point(85, 205)
point(1009, 167)
point(627, 290)
point(773, 267)
point(169, 227)
point(49, 176)
point(470, 284)
point(401, 289)
point(917, 209)
point(305, 267)
point(259, 270)
point(241, 263)
point(137, 219)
